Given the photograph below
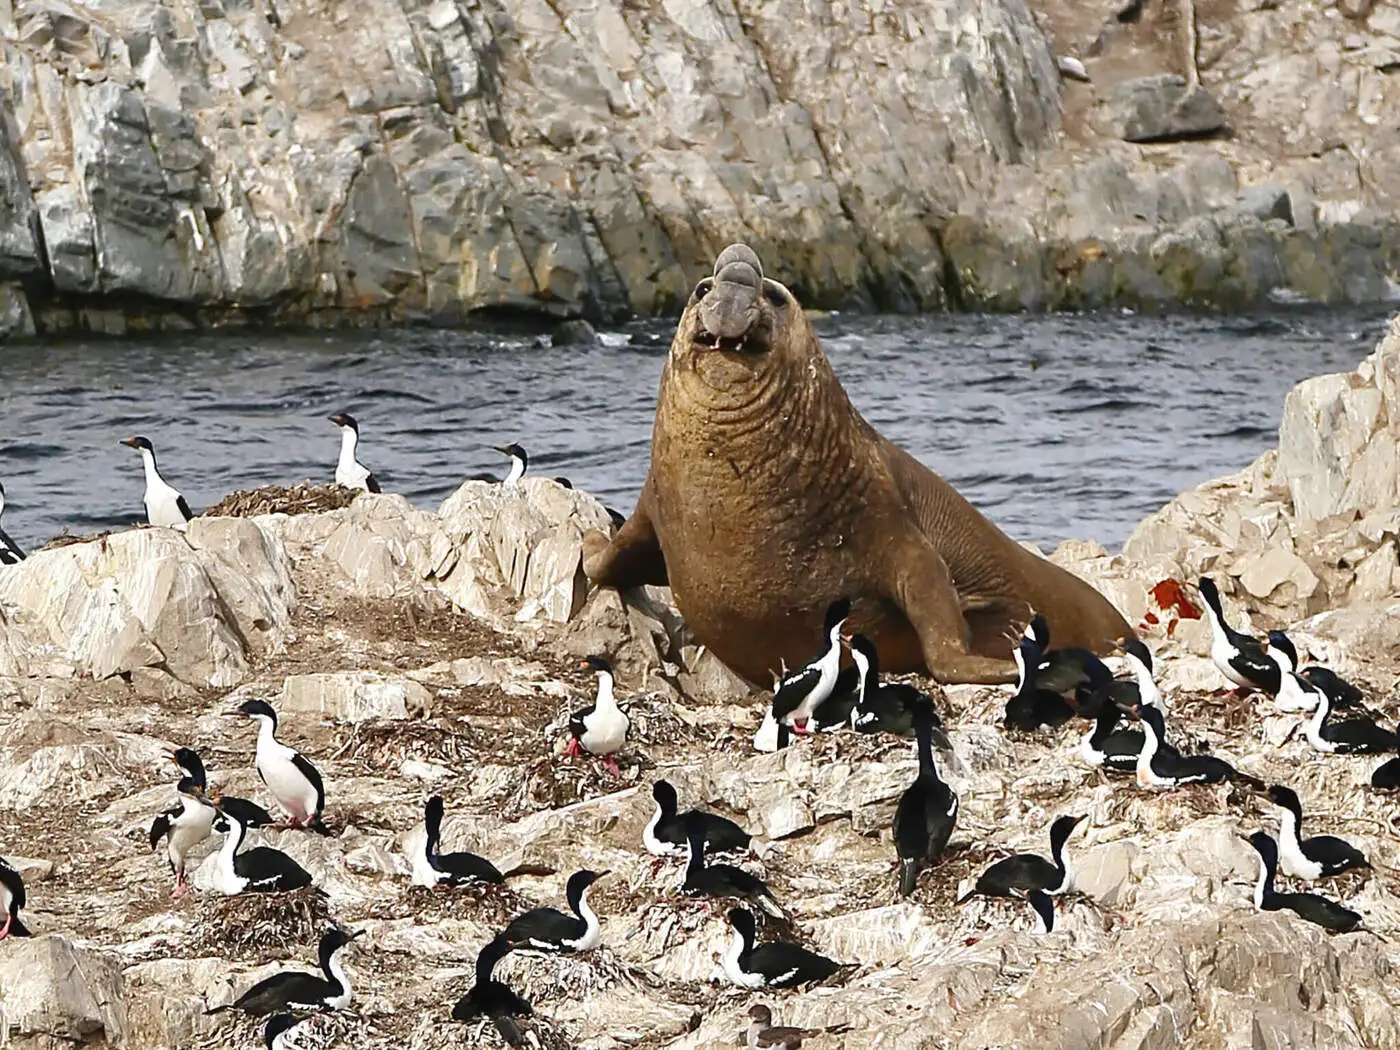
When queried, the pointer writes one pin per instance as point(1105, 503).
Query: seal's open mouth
point(751, 340)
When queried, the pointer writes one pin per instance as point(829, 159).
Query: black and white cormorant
point(1310, 906)
point(805, 689)
point(1032, 705)
point(250, 813)
point(1166, 767)
point(430, 868)
point(600, 728)
point(835, 712)
point(1387, 775)
point(10, 552)
point(12, 899)
point(294, 782)
point(1341, 692)
point(927, 811)
point(666, 835)
point(763, 1034)
point(349, 471)
point(183, 827)
point(299, 990)
point(261, 869)
point(277, 1033)
point(1018, 874)
point(550, 930)
point(1312, 858)
point(887, 707)
point(1142, 690)
point(164, 504)
point(1355, 736)
point(1243, 660)
point(518, 462)
point(776, 964)
point(491, 998)
point(1073, 672)
point(1109, 748)
point(721, 880)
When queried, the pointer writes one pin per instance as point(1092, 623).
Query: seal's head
point(737, 316)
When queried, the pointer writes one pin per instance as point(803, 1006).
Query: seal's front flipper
point(632, 558)
point(924, 591)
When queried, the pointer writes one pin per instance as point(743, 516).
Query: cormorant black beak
point(352, 934)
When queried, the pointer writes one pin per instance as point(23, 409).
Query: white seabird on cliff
point(349, 471)
point(164, 504)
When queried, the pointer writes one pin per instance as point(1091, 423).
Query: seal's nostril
point(703, 288)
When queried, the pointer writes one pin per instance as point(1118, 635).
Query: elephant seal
point(769, 496)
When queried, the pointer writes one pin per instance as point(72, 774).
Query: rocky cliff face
point(412, 652)
point(169, 162)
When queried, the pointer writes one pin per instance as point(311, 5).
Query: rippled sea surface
point(1061, 426)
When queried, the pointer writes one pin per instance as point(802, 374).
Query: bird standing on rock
point(164, 504)
point(12, 899)
point(600, 728)
point(491, 998)
point(292, 779)
point(183, 827)
point(298, 990)
point(250, 813)
point(1240, 658)
point(927, 811)
point(10, 551)
point(349, 471)
point(802, 691)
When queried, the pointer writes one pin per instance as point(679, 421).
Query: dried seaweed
point(257, 921)
point(301, 498)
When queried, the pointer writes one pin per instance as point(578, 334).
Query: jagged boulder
point(1311, 526)
point(195, 607)
point(53, 993)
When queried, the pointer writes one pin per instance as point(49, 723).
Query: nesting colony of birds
point(715, 925)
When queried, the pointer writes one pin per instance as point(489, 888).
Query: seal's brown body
point(769, 496)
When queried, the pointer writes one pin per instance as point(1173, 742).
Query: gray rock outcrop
point(1151, 109)
point(171, 162)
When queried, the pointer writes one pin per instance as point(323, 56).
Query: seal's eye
point(774, 294)
point(703, 288)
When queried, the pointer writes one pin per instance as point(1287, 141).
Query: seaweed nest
point(67, 539)
point(301, 498)
point(251, 922)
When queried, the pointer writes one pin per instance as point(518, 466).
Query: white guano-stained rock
point(198, 605)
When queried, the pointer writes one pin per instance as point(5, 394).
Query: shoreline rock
point(413, 652)
point(167, 165)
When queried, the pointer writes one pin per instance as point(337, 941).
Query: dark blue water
point(1060, 426)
